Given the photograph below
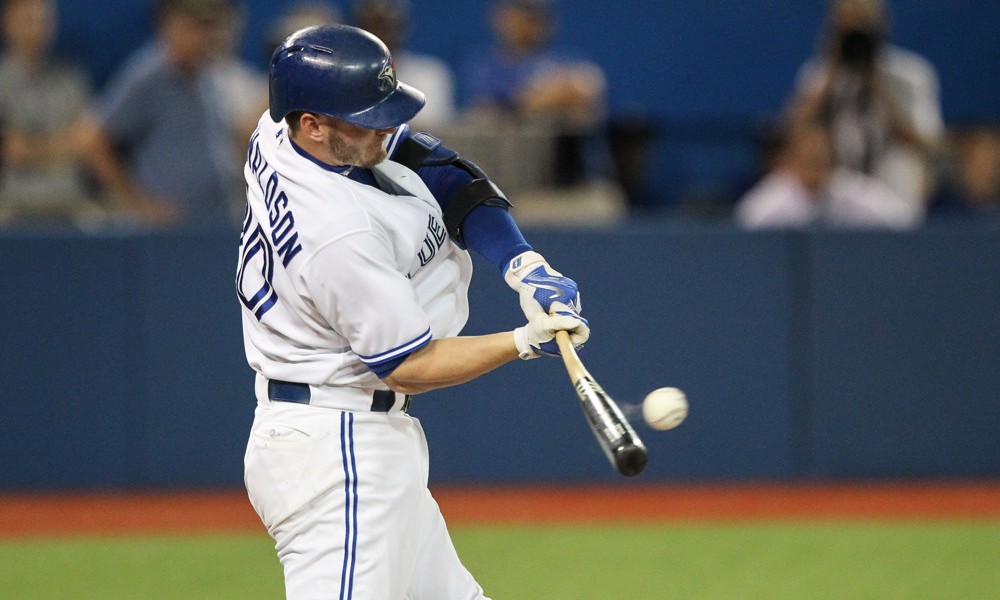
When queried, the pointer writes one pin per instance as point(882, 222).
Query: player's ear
point(310, 126)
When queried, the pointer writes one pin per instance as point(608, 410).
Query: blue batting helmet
point(343, 72)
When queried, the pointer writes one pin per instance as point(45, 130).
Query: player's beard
point(352, 153)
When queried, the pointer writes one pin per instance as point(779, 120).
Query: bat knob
point(630, 459)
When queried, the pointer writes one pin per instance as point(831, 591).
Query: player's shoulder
point(331, 207)
point(323, 205)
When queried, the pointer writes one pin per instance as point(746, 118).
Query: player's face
point(352, 145)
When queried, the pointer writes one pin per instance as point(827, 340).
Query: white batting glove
point(539, 335)
point(539, 285)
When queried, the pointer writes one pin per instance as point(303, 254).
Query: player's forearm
point(451, 361)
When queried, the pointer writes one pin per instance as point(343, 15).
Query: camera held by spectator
point(858, 48)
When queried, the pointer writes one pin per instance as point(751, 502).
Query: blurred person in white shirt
point(881, 102)
point(806, 188)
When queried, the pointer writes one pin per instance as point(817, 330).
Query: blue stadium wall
point(808, 355)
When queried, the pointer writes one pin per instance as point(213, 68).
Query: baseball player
point(353, 276)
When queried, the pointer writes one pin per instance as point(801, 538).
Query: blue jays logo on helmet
point(340, 71)
point(387, 78)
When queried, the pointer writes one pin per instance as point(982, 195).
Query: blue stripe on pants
point(350, 504)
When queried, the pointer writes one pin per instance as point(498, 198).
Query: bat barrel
point(630, 459)
point(615, 435)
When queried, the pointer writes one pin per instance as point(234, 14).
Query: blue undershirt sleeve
point(489, 231)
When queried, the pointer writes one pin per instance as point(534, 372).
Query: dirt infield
point(191, 512)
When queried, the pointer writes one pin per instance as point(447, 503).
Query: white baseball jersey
point(337, 277)
point(339, 280)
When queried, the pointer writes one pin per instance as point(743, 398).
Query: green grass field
point(844, 560)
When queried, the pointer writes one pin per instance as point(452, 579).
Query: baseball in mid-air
point(665, 408)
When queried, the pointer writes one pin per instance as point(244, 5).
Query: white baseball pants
point(344, 495)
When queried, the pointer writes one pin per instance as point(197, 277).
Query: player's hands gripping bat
point(619, 441)
point(538, 336)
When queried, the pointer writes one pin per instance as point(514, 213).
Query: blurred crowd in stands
point(861, 141)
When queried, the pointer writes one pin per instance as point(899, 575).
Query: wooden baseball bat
point(616, 436)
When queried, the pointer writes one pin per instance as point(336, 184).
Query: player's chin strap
point(423, 149)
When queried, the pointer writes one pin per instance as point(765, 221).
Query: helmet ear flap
point(340, 71)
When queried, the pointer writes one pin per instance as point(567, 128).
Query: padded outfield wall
point(809, 355)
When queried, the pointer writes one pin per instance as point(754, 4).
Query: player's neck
point(339, 167)
point(316, 152)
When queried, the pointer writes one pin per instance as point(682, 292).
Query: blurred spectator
point(806, 188)
point(40, 97)
point(299, 15)
point(523, 74)
point(160, 140)
point(631, 139)
point(524, 87)
point(881, 101)
point(971, 188)
point(389, 20)
point(242, 85)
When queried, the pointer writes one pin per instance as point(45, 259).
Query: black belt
point(288, 391)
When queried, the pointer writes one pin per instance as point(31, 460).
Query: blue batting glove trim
point(551, 348)
point(552, 288)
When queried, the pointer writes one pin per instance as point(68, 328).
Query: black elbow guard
point(479, 192)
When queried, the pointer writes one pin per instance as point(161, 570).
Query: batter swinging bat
point(617, 438)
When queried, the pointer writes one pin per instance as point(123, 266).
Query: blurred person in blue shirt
point(546, 109)
point(523, 72)
point(160, 139)
point(523, 75)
